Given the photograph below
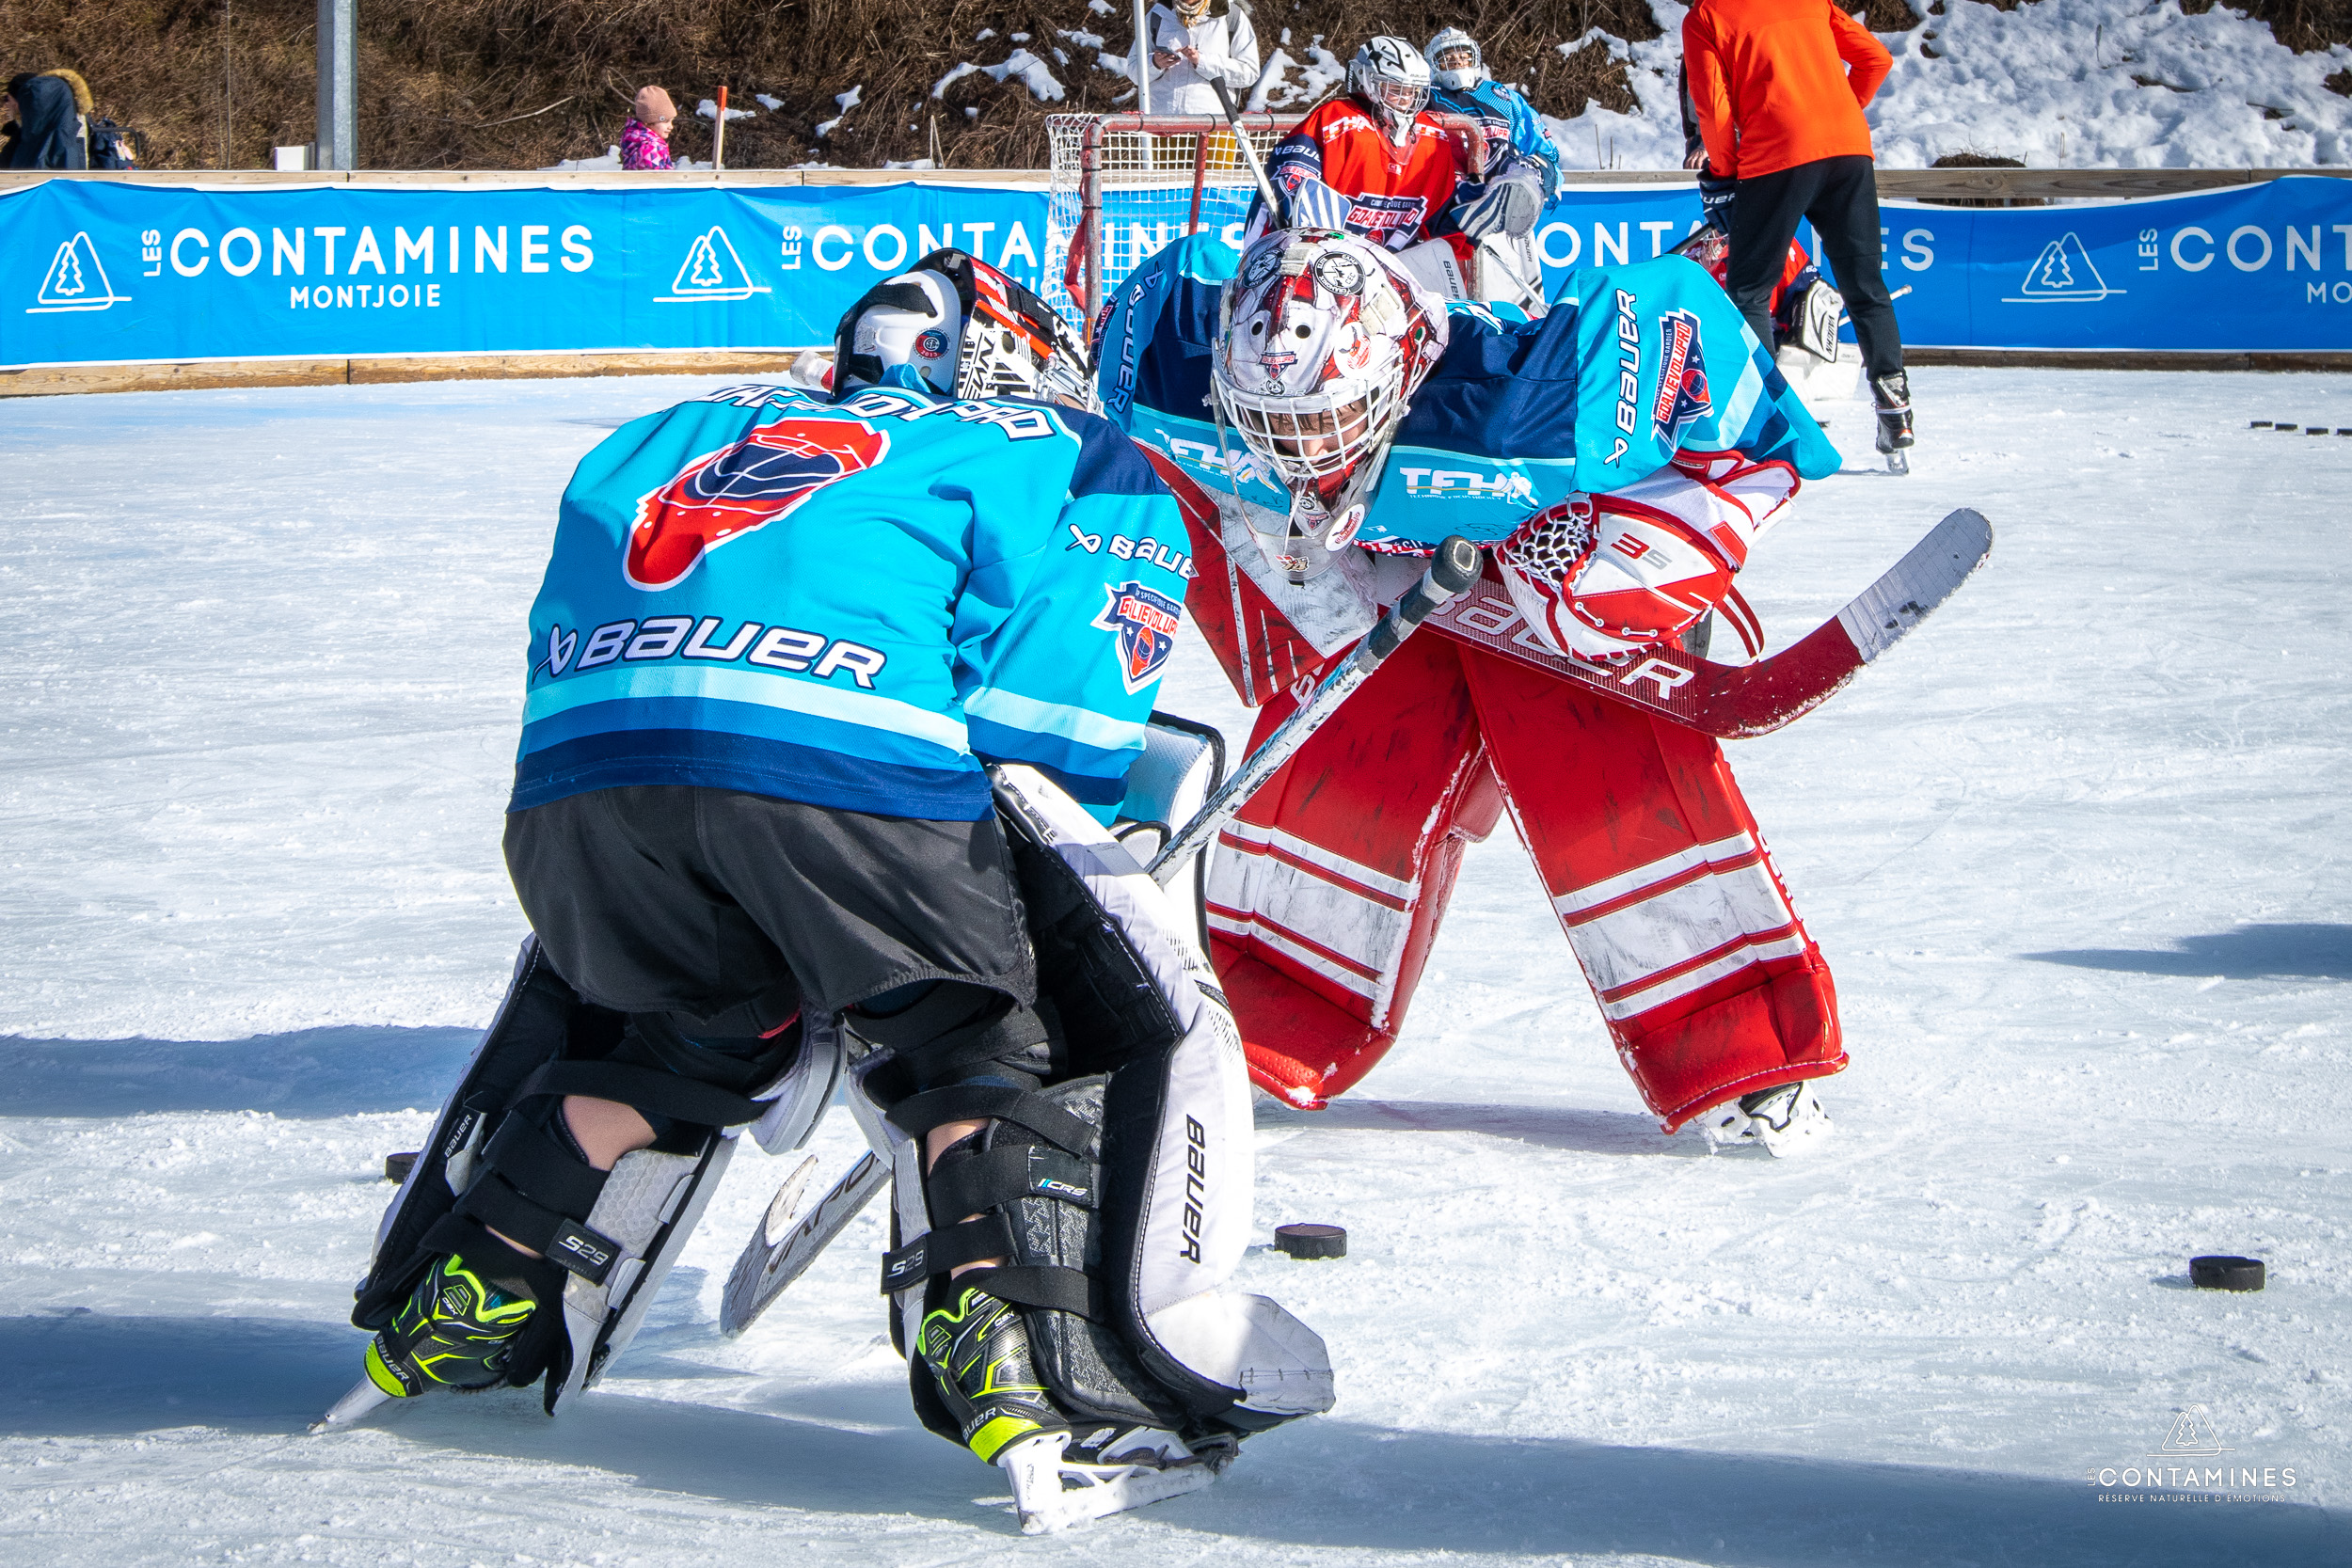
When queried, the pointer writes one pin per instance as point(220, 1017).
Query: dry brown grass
point(443, 82)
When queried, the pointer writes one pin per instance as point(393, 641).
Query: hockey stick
point(1278, 217)
point(781, 1251)
point(1451, 574)
point(1730, 702)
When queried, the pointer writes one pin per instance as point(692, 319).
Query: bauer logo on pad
point(729, 493)
point(1146, 622)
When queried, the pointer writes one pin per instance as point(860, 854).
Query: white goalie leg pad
point(650, 1206)
point(1193, 1185)
point(797, 1101)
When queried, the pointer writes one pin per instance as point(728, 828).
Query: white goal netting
point(1154, 180)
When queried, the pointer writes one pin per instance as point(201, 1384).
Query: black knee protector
point(501, 1164)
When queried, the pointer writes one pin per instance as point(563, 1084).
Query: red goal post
point(1121, 187)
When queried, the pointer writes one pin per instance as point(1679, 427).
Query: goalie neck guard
point(959, 328)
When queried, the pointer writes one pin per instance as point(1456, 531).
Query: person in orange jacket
point(1778, 87)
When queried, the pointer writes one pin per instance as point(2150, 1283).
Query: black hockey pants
point(1841, 197)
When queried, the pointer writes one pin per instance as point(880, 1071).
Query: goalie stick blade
point(790, 1238)
point(1052, 1492)
point(364, 1399)
point(1732, 701)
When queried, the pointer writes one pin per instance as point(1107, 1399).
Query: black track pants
point(1841, 197)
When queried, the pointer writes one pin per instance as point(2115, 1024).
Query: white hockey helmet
point(1457, 77)
point(1391, 81)
point(1323, 339)
point(965, 330)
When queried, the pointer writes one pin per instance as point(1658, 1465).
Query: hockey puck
point(1310, 1241)
point(396, 1166)
point(2314, 430)
point(2217, 1273)
point(2258, 424)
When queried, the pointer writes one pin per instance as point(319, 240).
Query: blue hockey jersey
point(1510, 123)
point(1631, 364)
point(853, 604)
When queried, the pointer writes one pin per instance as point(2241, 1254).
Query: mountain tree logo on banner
point(2062, 274)
point(76, 281)
point(711, 270)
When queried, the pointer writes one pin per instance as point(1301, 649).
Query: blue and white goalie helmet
point(1455, 62)
point(1392, 82)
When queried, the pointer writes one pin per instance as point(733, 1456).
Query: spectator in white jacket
point(1195, 41)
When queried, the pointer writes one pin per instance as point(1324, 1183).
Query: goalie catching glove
point(1603, 576)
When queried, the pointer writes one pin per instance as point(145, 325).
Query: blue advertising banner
point(2265, 266)
point(95, 273)
point(99, 273)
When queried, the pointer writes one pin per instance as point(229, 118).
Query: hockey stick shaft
point(1452, 573)
point(1729, 701)
point(1277, 215)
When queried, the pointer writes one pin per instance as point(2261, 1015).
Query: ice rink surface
point(2076, 852)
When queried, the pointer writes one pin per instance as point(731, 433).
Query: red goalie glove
point(1601, 576)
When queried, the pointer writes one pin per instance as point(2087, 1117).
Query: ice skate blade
point(1786, 1129)
point(364, 1397)
point(1897, 461)
point(1053, 1493)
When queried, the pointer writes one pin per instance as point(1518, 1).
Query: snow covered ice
point(2074, 851)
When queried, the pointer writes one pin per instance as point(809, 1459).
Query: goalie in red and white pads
point(1326, 892)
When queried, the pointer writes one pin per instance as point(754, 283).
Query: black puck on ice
point(396, 1166)
point(2258, 424)
point(2217, 1273)
point(1310, 1241)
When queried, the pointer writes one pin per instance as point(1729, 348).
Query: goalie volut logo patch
point(1682, 397)
point(732, 492)
point(1146, 621)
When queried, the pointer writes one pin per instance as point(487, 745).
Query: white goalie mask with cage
point(1460, 79)
point(1323, 339)
point(1389, 77)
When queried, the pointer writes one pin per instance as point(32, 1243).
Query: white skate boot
point(1784, 1121)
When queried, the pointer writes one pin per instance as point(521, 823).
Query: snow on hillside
point(2075, 851)
point(2058, 84)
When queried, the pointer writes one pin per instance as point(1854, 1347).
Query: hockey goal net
point(1122, 186)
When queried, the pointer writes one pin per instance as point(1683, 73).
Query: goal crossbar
point(1142, 170)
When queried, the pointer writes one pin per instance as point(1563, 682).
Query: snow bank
point(2057, 84)
point(1322, 70)
point(1033, 73)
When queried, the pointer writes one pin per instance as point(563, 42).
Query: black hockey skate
point(977, 1350)
point(454, 1332)
point(1892, 394)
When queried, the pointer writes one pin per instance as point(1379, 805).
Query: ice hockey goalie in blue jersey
point(854, 603)
point(783, 639)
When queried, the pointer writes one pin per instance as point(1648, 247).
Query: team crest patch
point(740, 488)
point(1146, 621)
point(1682, 397)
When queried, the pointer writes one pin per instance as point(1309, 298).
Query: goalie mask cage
point(1122, 186)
